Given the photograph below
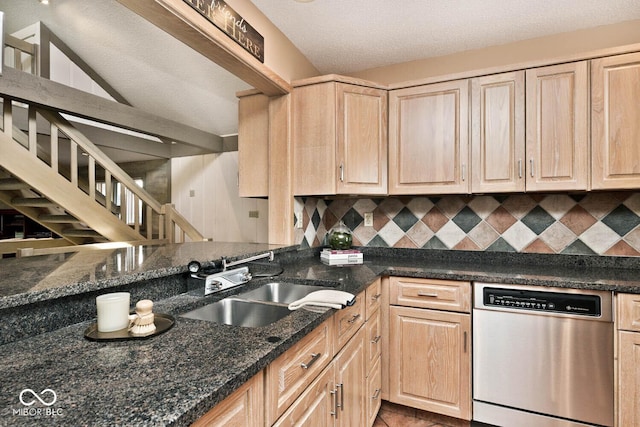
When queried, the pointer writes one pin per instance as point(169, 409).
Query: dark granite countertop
point(175, 377)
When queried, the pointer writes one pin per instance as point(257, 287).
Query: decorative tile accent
point(590, 223)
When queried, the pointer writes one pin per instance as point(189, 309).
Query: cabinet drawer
point(348, 321)
point(373, 296)
point(374, 338)
point(317, 403)
point(293, 371)
point(629, 312)
point(431, 293)
point(242, 408)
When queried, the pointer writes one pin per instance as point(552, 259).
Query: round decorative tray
point(163, 323)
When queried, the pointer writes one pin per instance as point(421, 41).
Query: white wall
point(204, 189)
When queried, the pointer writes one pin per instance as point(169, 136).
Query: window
point(120, 192)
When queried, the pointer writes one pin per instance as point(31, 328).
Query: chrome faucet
point(226, 280)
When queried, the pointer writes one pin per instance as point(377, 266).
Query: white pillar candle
point(113, 311)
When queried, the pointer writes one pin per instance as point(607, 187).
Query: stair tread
point(58, 218)
point(80, 232)
point(13, 184)
point(32, 201)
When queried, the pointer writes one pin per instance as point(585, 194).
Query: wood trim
point(339, 79)
point(518, 66)
point(281, 216)
point(25, 246)
point(181, 21)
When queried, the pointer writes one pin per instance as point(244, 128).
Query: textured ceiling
point(340, 36)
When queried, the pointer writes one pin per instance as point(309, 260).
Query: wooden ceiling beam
point(185, 24)
point(55, 96)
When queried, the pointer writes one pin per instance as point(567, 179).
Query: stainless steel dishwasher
point(542, 357)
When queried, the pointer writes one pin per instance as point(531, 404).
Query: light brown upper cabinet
point(557, 127)
point(339, 139)
point(497, 133)
point(428, 139)
point(615, 122)
point(253, 145)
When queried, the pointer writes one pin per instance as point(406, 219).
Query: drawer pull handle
point(376, 339)
point(314, 359)
point(428, 294)
point(376, 297)
point(334, 393)
point(341, 405)
point(353, 318)
point(376, 394)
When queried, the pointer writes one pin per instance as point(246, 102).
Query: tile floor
point(392, 415)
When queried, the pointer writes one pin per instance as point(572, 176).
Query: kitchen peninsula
point(174, 378)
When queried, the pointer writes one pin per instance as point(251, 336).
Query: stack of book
point(341, 257)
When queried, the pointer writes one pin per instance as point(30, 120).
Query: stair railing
point(145, 215)
point(22, 50)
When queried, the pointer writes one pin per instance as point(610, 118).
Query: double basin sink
point(259, 307)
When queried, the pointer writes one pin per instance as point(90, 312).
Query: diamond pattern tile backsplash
point(589, 223)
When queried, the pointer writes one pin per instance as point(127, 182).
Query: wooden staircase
point(61, 192)
point(54, 175)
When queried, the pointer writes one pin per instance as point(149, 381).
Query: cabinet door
point(430, 361)
point(628, 379)
point(316, 406)
point(351, 382)
point(557, 127)
point(428, 139)
point(615, 122)
point(253, 146)
point(374, 393)
point(374, 339)
point(362, 140)
point(244, 408)
point(314, 139)
point(497, 133)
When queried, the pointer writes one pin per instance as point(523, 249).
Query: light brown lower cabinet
point(351, 382)
point(430, 360)
point(295, 369)
point(629, 379)
point(628, 391)
point(316, 405)
point(337, 396)
point(244, 408)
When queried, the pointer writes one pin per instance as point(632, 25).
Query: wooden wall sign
point(226, 19)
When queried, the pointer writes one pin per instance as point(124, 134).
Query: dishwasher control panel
point(521, 299)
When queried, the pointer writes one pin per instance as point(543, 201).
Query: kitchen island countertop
point(175, 377)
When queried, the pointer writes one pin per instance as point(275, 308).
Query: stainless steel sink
point(237, 312)
point(280, 292)
point(259, 307)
